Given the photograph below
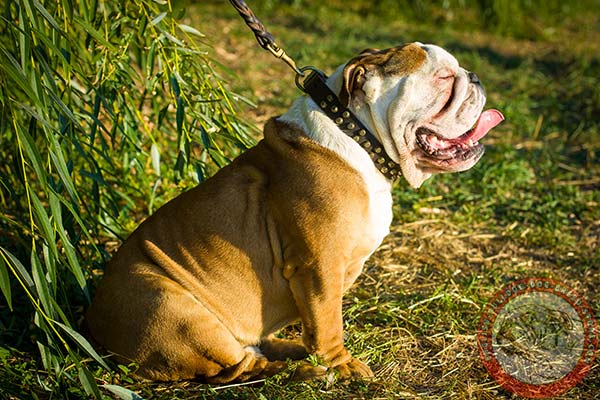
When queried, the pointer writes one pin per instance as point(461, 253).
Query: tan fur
point(270, 239)
point(279, 234)
point(400, 61)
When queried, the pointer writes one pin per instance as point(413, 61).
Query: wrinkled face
point(426, 110)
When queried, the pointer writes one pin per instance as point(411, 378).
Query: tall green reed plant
point(94, 96)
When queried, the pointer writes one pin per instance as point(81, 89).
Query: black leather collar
point(314, 85)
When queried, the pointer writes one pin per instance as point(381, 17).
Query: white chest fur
point(305, 114)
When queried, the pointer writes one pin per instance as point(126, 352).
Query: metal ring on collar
point(301, 76)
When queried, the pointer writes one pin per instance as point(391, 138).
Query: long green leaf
point(50, 263)
point(43, 221)
point(5, 283)
point(58, 159)
point(191, 30)
point(83, 344)
point(73, 262)
point(15, 73)
point(180, 116)
point(38, 6)
point(29, 7)
point(172, 38)
point(150, 60)
point(94, 33)
point(19, 269)
point(60, 312)
point(122, 393)
point(55, 201)
point(155, 155)
point(41, 284)
point(88, 382)
point(63, 107)
point(34, 157)
point(31, 111)
point(50, 359)
point(158, 18)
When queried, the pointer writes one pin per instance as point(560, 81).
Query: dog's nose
point(473, 78)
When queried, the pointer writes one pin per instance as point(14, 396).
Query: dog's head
point(426, 110)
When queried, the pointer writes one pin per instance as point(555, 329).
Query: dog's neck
point(306, 114)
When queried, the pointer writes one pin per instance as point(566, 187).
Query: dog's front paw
point(353, 369)
point(306, 371)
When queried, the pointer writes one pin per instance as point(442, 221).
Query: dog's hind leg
point(282, 349)
point(200, 345)
point(253, 365)
point(160, 325)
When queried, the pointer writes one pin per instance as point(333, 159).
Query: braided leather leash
point(264, 38)
point(316, 87)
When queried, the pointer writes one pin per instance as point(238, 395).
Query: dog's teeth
point(437, 142)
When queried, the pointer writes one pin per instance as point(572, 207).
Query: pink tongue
point(487, 120)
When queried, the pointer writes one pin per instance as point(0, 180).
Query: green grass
point(531, 207)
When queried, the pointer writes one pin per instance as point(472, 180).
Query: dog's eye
point(445, 74)
point(447, 78)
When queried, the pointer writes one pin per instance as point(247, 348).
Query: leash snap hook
point(264, 38)
point(278, 52)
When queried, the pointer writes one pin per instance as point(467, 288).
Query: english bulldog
point(201, 288)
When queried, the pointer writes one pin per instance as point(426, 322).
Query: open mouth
point(465, 147)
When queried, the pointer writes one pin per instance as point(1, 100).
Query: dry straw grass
point(442, 276)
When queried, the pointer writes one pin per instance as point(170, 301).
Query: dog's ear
point(354, 78)
point(369, 51)
point(354, 75)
